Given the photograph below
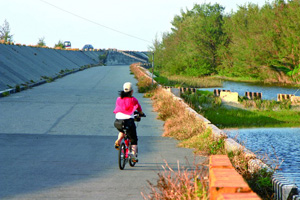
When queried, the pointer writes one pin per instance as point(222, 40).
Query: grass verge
point(181, 125)
point(260, 114)
point(182, 81)
point(144, 82)
point(192, 133)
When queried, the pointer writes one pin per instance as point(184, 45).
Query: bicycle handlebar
point(137, 116)
point(143, 115)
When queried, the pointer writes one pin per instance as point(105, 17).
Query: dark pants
point(129, 124)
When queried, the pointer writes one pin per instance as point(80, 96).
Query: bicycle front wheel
point(122, 158)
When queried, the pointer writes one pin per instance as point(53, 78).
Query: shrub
point(164, 105)
point(259, 181)
point(180, 184)
point(145, 83)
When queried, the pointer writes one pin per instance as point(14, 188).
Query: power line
point(93, 22)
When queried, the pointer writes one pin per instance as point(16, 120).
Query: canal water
point(281, 145)
point(268, 92)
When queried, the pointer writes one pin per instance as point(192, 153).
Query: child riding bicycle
point(126, 104)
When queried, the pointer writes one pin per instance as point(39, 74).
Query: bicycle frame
point(124, 152)
point(125, 147)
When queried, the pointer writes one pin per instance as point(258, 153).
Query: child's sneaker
point(117, 146)
point(134, 158)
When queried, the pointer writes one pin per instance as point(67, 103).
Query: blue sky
point(120, 24)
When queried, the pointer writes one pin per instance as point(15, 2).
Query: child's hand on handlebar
point(142, 114)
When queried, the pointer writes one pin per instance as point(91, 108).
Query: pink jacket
point(127, 105)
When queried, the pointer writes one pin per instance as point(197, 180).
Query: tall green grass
point(225, 117)
point(184, 81)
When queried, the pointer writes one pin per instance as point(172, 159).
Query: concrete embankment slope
point(25, 65)
point(123, 58)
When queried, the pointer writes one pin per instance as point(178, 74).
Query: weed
point(48, 79)
point(180, 184)
point(5, 94)
point(205, 144)
point(239, 161)
point(102, 58)
point(18, 88)
point(216, 146)
point(149, 94)
point(286, 105)
point(260, 181)
point(145, 85)
point(25, 86)
point(182, 126)
point(266, 104)
point(164, 107)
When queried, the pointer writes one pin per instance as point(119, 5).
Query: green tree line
point(261, 43)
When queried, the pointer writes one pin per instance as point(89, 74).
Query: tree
point(41, 42)
point(59, 44)
point(191, 47)
point(262, 40)
point(5, 32)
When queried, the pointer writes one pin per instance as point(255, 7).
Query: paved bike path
point(56, 141)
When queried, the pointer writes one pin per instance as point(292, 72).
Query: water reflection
point(277, 143)
point(280, 144)
point(268, 92)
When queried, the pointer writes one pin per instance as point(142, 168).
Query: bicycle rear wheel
point(131, 163)
point(122, 158)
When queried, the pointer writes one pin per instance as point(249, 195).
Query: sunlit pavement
point(56, 141)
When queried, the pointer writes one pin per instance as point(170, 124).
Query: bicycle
point(125, 146)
